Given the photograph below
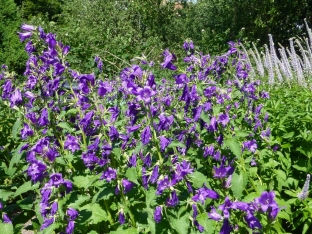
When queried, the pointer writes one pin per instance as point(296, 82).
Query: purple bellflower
point(158, 214)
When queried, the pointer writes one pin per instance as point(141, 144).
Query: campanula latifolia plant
point(144, 154)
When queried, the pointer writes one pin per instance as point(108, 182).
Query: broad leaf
point(239, 182)
point(27, 186)
point(234, 146)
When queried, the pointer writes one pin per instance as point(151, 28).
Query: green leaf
point(6, 228)
point(50, 229)
point(176, 144)
point(84, 181)
point(288, 135)
point(138, 148)
point(16, 128)
point(27, 186)
point(181, 225)
point(234, 146)
point(93, 232)
point(131, 230)
point(208, 224)
point(205, 117)
point(241, 134)
point(239, 182)
point(132, 175)
point(72, 111)
point(151, 222)
point(198, 179)
point(104, 193)
point(4, 194)
point(65, 125)
point(300, 168)
point(16, 156)
point(98, 214)
point(150, 197)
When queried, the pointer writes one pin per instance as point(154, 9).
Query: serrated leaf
point(150, 197)
point(181, 225)
point(151, 223)
point(65, 125)
point(198, 179)
point(238, 184)
point(132, 175)
point(6, 228)
point(176, 144)
point(16, 128)
point(84, 181)
point(98, 214)
point(205, 117)
point(16, 156)
point(27, 186)
point(234, 146)
point(81, 199)
point(104, 193)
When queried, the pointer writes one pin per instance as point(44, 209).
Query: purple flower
point(6, 219)
point(89, 159)
point(184, 168)
point(43, 119)
point(224, 119)
point(1, 206)
point(157, 214)
point(267, 203)
point(252, 221)
point(154, 175)
point(16, 98)
point(86, 120)
point(56, 180)
point(214, 214)
point(127, 185)
point(29, 47)
point(25, 35)
point(198, 226)
point(94, 146)
point(27, 27)
point(104, 88)
point(163, 142)
point(173, 200)
point(162, 184)
point(203, 193)
point(146, 135)
point(109, 175)
point(54, 208)
point(251, 145)
point(36, 170)
point(145, 94)
point(26, 131)
point(71, 143)
point(208, 150)
point(70, 227)
point(46, 223)
point(72, 213)
point(226, 227)
point(169, 58)
point(213, 125)
point(121, 218)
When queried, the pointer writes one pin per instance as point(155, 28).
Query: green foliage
point(11, 50)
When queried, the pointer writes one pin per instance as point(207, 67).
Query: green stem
point(155, 139)
point(128, 210)
point(110, 219)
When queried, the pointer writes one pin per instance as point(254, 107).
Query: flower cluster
point(174, 142)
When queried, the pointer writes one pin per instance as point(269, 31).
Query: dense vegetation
point(104, 129)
